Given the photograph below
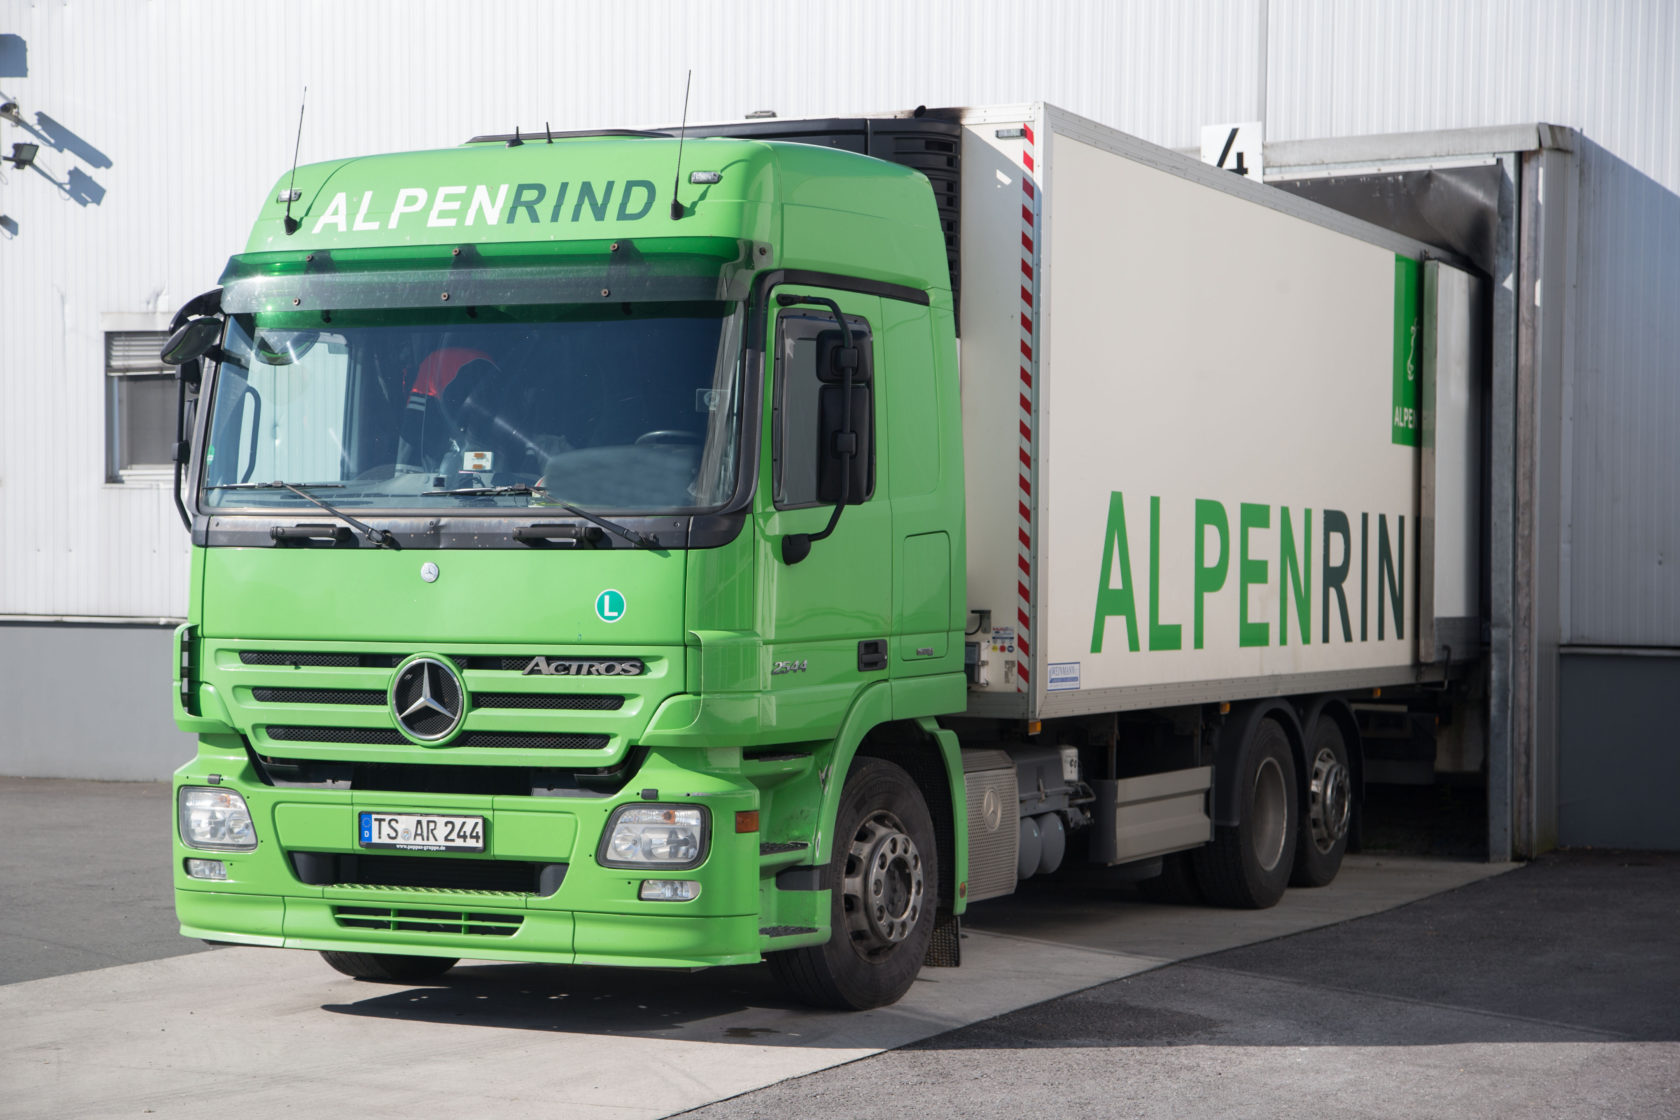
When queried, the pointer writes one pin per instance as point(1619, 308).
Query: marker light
point(668, 890)
point(655, 836)
point(216, 819)
point(207, 869)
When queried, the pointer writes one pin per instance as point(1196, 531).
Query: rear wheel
point(389, 967)
point(884, 877)
point(1329, 807)
point(1248, 864)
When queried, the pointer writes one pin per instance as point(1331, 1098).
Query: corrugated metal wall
point(162, 124)
point(1620, 552)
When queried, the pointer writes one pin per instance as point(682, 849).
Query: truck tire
point(1328, 808)
point(884, 878)
point(1176, 884)
point(1247, 866)
point(393, 968)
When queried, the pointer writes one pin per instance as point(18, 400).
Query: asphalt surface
point(1551, 991)
point(85, 877)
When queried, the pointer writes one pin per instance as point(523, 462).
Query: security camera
point(10, 111)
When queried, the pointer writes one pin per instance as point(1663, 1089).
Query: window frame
point(820, 320)
point(130, 360)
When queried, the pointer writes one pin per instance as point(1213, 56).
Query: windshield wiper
point(481, 491)
point(381, 537)
point(624, 531)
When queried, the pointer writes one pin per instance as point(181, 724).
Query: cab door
point(824, 617)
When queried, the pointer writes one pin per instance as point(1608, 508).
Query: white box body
point(1150, 345)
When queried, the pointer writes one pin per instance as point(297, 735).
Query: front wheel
point(884, 879)
point(393, 968)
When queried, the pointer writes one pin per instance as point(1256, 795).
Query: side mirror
point(838, 363)
point(193, 340)
point(845, 445)
point(841, 452)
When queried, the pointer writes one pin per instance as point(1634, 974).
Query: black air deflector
point(931, 146)
point(928, 144)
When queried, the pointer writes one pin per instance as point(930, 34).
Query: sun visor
point(685, 269)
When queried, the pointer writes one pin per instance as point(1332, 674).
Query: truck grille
point(428, 921)
point(450, 777)
point(368, 736)
point(556, 701)
point(317, 696)
point(575, 709)
point(531, 701)
point(313, 659)
point(385, 736)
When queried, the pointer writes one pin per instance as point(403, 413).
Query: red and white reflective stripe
point(1029, 342)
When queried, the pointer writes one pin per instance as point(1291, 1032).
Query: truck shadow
point(585, 1000)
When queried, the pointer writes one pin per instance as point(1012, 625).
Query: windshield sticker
point(609, 606)
point(477, 460)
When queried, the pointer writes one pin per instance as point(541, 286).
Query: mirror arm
point(205, 303)
point(181, 443)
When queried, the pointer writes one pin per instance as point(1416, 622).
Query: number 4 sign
point(1234, 148)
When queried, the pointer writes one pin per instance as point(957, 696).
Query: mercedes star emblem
point(428, 699)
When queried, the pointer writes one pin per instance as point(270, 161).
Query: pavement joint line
point(1149, 961)
point(1289, 981)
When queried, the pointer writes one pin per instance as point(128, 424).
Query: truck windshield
point(632, 409)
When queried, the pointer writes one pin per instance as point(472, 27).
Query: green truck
point(757, 544)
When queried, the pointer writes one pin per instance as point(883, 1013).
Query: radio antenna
point(676, 180)
point(292, 223)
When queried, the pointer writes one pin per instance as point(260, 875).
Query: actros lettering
point(559, 667)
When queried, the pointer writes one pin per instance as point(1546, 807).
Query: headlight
point(216, 819)
point(655, 836)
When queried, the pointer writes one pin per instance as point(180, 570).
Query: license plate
point(422, 832)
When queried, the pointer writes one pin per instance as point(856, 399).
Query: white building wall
point(165, 122)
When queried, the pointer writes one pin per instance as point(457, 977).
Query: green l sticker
point(609, 606)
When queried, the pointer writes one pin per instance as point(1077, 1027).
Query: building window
point(139, 407)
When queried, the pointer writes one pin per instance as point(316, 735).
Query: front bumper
point(593, 917)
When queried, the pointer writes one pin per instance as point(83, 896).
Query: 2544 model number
point(783, 667)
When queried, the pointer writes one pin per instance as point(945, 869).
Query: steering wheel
point(667, 435)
